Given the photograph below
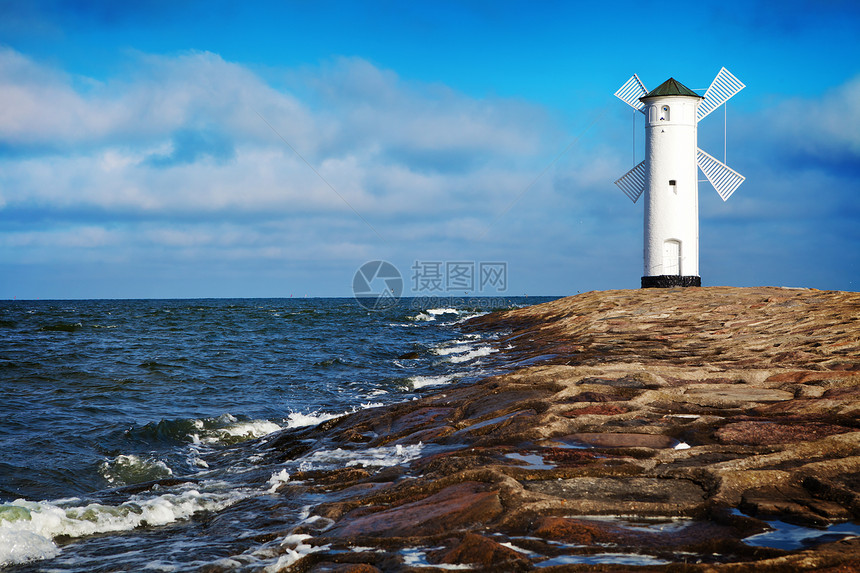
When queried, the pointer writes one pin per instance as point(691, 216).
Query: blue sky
point(266, 149)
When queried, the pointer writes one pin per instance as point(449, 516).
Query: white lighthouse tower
point(669, 175)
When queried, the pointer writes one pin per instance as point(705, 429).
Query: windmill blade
point(631, 91)
point(724, 86)
point(633, 182)
point(724, 179)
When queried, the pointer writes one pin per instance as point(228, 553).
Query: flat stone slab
point(459, 505)
point(766, 433)
point(731, 395)
point(610, 495)
point(616, 440)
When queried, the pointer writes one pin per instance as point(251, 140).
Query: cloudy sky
point(160, 149)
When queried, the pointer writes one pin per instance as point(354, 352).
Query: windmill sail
point(724, 179)
point(724, 86)
point(631, 91)
point(633, 182)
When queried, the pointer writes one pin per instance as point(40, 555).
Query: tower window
point(672, 186)
point(664, 113)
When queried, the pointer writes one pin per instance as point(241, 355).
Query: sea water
point(102, 398)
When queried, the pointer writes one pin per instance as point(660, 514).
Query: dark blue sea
point(102, 398)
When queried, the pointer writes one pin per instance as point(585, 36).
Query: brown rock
point(479, 550)
point(620, 440)
point(574, 531)
point(427, 435)
point(624, 495)
point(761, 382)
point(732, 395)
point(569, 456)
point(419, 418)
point(603, 410)
point(593, 397)
point(454, 507)
point(766, 433)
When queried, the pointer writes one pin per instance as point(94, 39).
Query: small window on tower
point(673, 187)
point(664, 113)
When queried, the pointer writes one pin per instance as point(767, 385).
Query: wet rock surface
point(661, 430)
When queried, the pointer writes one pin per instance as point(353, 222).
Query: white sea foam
point(23, 546)
point(472, 354)
point(295, 548)
point(467, 316)
point(278, 479)
point(447, 350)
point(467, 338)
point(299, 420)
point(238, 432)
point(227, 429)
point(384, 456)
point(438, 311)
point(27, 528)
point(125, 470)
point(422, 381)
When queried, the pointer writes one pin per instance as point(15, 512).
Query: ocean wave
point(470, 315)
point(383, 456)
point(456, 346)
point(422, 317)
point(131, 469)
point(233, 431)
point(438, 311)
point(223, 429)
point(430, 314)
point(295, 548)
point(28, 528)
point(422, 381)
point(300, 420)
point(24, 546)
point(458, 349)
point(277, 480)
point(472, 354)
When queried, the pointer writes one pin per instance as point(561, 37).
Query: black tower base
point(669, 281)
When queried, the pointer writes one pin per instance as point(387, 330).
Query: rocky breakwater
point(700, 429)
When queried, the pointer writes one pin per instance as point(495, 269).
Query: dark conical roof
point(671, 87)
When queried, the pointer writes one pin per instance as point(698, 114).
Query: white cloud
point(825, 127)
point(176, 161)
point(190, 133)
